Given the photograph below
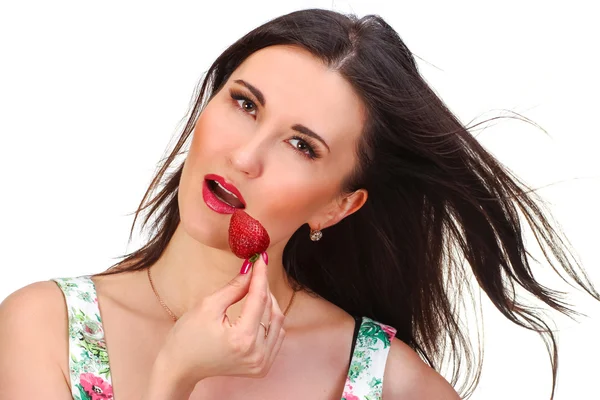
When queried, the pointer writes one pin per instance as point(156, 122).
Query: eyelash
point(312, 154)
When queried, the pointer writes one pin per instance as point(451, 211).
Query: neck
point(188, 271)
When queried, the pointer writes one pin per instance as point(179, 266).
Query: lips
point(228, 186)
point(218, 190)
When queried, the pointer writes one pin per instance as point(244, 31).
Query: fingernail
point(265, 257)
point(245, 267)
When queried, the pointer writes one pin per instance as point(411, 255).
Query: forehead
point(299, 88)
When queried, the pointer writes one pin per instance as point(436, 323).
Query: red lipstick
point(213, 202)
point(227, 186)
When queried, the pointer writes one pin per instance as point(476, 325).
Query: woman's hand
point(205, 343)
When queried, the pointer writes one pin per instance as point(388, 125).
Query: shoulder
point(35, 312)
point(408, 377)
point(33, 334)
point(32, 305)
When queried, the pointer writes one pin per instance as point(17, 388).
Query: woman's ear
point(341, 208)
point(352, 203)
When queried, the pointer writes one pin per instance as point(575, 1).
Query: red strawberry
point(247, 237)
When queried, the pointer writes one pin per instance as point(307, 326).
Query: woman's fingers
point(277, 333)
point(234, 291)
point(277, 319)
point(265, 345)
point(203, 347)
point(266, 318)
point(276, 347)
point(254, 307)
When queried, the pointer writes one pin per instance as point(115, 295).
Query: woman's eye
point(243, 102)
point(303, 147)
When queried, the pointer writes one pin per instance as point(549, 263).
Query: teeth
point(224, 201)
point(226, 190)
point(216, 184)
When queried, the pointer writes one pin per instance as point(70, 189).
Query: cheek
point(211, 133)
point(290, 205)
point(205, 146)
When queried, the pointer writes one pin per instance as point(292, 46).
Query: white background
point(92, 92)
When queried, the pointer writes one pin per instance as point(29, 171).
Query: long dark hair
point(436, 197)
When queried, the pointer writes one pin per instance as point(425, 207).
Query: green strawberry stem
point(254, 258)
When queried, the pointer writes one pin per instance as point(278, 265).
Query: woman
point(319, 126)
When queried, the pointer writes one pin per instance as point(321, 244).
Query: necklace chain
point(175, 318)
point(160, 300)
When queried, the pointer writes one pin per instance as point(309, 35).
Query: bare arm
point(33, 338)
point(408, 377)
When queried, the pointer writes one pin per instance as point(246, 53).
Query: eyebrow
point(297, 127)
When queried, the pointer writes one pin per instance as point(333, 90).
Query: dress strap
point(367, 366)
point(88, 357)
point(357, 322)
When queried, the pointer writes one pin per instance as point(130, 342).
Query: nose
point(248, 156)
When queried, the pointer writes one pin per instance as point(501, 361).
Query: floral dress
point(90, 369)
point(88, 359)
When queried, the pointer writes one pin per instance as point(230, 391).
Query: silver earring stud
point(316, 235)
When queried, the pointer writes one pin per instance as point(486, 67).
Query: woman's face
point(286, 177)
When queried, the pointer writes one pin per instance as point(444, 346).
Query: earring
point(315, 235)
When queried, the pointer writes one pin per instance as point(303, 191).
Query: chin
point(198, 223)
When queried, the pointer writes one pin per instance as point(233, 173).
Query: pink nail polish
point(265, 257)
point(245, 267)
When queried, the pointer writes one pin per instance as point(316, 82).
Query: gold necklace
point(174, 317)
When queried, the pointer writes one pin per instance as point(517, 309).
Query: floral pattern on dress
point(365, 375)
point(90, 369)
point(88, 357)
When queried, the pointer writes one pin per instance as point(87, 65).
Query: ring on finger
point(266, 328)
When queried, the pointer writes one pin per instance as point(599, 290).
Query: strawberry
point(247, 237)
